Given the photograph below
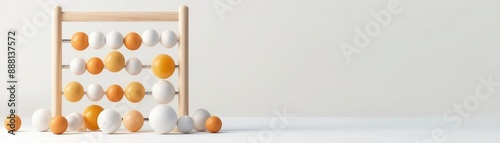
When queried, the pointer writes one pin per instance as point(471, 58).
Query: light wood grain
point(56, 62)
point(182, 16)
point(183, 61)
point(119, 16)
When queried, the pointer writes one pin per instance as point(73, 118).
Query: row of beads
point(162, 119)
point(163, 66)
point(163, 92)
point(114, 40)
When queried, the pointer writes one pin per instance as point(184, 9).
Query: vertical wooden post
point(183, 61)
point(56, 61)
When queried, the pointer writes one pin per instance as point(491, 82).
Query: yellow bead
point(135, 92)
point(114, 61)
point(95, 65)
point(163, 66)
point(80, 41)
point(132, 41)
point(90, 115)
point(73, 91)
point(12, 123)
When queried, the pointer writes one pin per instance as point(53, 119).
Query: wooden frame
point(182, 17)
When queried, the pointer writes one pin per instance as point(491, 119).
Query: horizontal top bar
point(119, 16)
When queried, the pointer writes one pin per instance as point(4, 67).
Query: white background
point(265, 55)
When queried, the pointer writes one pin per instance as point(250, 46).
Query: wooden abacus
point(180, 16)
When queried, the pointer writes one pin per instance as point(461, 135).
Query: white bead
point(109, 121)
point(163, 92)
point(200, 116)
point(185, 124)
point(133, 66)
point(75, 121)
point(162, 119)
point(97, 40)
point(41, 120)
point(114, 40)
point(78, 66)
point(150, 37)
point(168, 39)
point(95, 92)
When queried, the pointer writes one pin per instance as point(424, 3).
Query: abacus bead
point(133, 120)
point(134, 92)
point(73, 91)
point(58, 124)
point(133, 66)
point(132, 41)
point(213, 124)
point(185, 124)
point(8, 123)
point(109, 121)
point(80, 41)
point(162, 119)
point(163, 92)
point(97, 40)
point(114, 93)
point(200, 117)
point(114, 40)
point(95, 92)
point(41, 120)
point(94, 65)
point(150, 37)
point(114, 61)
point(90, 115)
point(168, 39)
point(75, 121)
point(77, 66)
point(163, 66)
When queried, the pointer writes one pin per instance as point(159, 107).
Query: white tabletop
point(290, 130)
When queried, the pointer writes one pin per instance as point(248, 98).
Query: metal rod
point(69, 40)
point(145, 119)
point(143, 66)
point(147, 92)
point(66, 40)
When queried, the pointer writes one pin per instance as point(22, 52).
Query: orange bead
point(132, 41)
point(95, 65)
point(135, 92)
point(163, 66)
point(213, 124)
point(80, 41)
point(58, 124)
point(90, 115)
point(133, 120)
point(12, 123)
point(114, 93)
point(114, 61)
